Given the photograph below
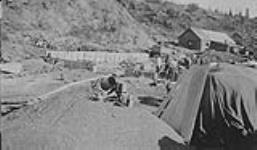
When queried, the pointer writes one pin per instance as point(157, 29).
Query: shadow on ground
point(150, 101)
point(166, 143)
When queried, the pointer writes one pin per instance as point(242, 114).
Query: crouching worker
point(108, 87)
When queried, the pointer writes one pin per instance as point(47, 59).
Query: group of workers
point(169, 69)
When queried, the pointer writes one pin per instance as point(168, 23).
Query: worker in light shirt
point(107, 87)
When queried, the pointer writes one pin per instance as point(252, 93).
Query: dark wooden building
point(237, 38)
point(201, 39)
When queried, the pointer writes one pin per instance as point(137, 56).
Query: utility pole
point(247, 13)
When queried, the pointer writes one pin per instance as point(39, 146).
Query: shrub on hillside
point(192, 8)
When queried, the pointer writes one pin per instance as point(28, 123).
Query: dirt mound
point(31, 26)
point(68, 120)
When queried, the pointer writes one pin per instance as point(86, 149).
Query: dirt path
point(70, 85)
point(17, 92)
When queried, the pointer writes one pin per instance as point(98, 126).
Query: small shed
point(201, 39)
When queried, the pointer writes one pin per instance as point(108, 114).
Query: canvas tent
point(214, 105)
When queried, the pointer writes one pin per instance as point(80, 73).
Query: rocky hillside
point(168, 20)
point(31, 26)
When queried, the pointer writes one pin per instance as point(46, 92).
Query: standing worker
point(156, 55)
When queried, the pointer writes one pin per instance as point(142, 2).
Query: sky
point(0, 9)
point(224, 5)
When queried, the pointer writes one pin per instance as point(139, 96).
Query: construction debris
point(11, 68)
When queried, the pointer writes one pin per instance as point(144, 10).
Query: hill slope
point(28, 25)
point(169, 19)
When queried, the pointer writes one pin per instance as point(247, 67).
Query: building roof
point(213, 36)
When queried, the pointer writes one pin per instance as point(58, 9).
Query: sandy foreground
point(69, 120)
